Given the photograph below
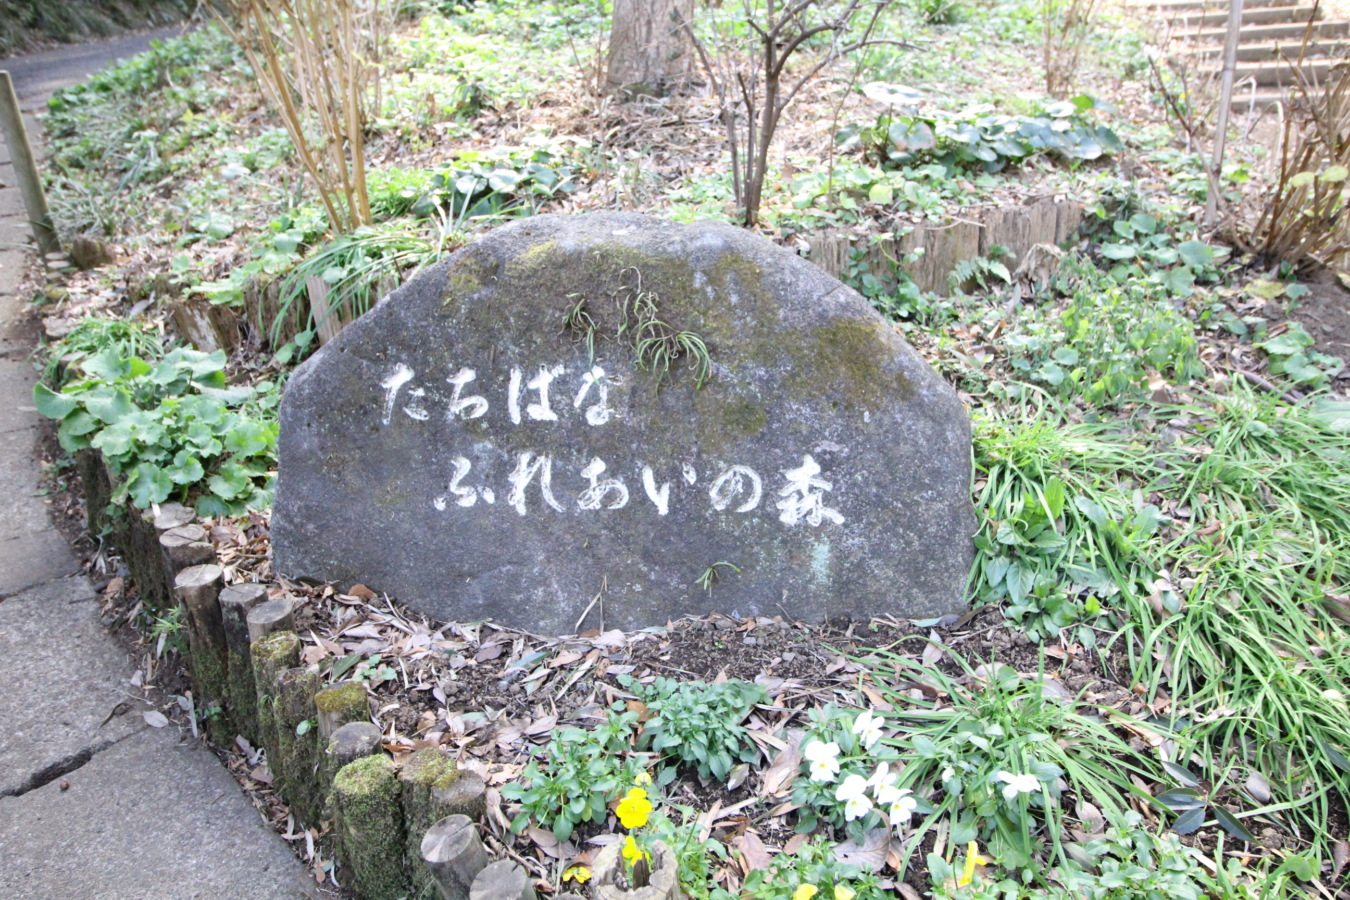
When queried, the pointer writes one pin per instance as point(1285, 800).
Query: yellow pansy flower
point(643, 778)
point(973, 859)
point(579, 874)
point(632, 852)
point(635, 809)
point(844, 892)
point(805, 892)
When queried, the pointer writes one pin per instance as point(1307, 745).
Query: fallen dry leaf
point(870, 855)
point(778, 778)
point(753, 853)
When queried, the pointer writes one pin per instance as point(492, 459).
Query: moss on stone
point(466, 277)
point(841, 361)
point(370, 828)
point(420, 775)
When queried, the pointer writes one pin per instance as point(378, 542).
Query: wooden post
point(465, 795)
point(1230, 46)
point(236, 601)
point(271, 656)
point(420, 776)
point(184, 547)
point(370, 828)
point(270, 617)
point(354, 741)
point(25, 168)
point(297, 742)
point(502, 880)
point(662, 883)
point(454, 854)
point(340, 704)
point(172, 515)
point(198, 587)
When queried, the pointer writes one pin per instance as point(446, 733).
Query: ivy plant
point(173, 428)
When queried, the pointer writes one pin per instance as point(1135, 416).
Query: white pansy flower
point(868, 728)
point(900, 803)
point(1018, 784)
point(882, 778)
point(824, 759)
point(854, 794)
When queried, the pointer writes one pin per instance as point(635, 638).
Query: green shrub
point(1105, 339)
point(816, 865)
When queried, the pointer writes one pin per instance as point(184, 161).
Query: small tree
point(648, 48)
point(318, 63)
point(1066, 25)
point(746, 59)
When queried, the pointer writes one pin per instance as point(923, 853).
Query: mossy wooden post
point(199, 587)
point(422, 775)
point(271, 656)
point(271, 616)
point(454, 854)
point(353, 741)
point(340, 704)
point(236, 601)
point(464, 795)
point(370, 828)
point(298, 742)
point(335, 707)
point(502, 880)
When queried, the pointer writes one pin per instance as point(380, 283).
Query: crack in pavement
point(37, 584)
point(47, 774)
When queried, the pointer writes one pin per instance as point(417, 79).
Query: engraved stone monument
point(673, 418)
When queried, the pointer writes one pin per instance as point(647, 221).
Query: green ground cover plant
point(699, 724)
point(981, 137)
point(173, 428)
point(572, 783)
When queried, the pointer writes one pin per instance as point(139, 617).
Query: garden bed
point(1160, 451)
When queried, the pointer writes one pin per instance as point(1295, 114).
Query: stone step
point(1245, 100)
point(1277, 72)
point(1277, 50)
point(1262, 15)
point(1166, 7)
point(1277, 32)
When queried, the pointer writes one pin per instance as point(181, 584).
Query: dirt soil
point(1325, 313)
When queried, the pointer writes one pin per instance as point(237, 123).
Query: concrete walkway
point(94, 803)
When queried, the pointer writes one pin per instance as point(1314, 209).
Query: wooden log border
point(945, 245)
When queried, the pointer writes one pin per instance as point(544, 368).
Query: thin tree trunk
point(648, 48)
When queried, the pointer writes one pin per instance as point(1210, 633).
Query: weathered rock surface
point(499, 438)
